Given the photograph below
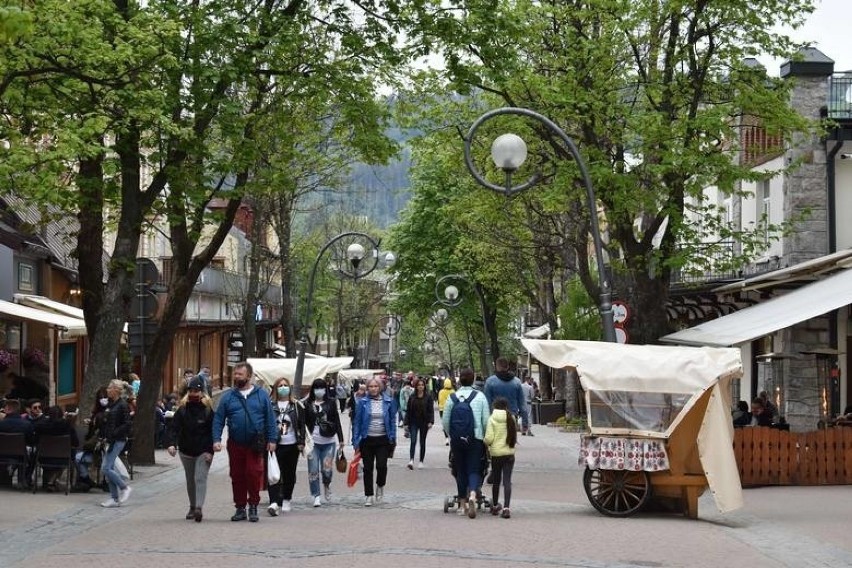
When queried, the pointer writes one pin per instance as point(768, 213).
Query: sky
point(827, 29)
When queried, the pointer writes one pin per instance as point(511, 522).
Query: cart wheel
point(617, 493)
point(446, 504)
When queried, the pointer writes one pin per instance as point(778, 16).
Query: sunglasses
point(36, 407)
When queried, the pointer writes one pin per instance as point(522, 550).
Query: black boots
point(240, 514)
point(253, 513)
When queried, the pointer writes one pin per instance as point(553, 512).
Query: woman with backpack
point(192, 428)
point(418, 420)
point(501, 435)
point(374, 435)
point(323, 423)
point(290, 421)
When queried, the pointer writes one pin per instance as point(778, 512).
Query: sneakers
point(190, 514)
point(285, 507)
point(496, 508)
point(380, 494)
point(110, 504)
point(124, 494)
point(471, 505)
point(273, 510)
point(462, 502)
point(420, 465)
point(317, 501)
point(410, 464)
point(368, 501)
point(252, 514)
point(506, 514)
point(326, 490)
point(239, 514)
point(528, 434)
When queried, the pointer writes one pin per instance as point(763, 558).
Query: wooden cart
point(659, 421)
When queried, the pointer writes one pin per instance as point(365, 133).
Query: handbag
point(340, 462)
point(273, 472)
point(354, 469)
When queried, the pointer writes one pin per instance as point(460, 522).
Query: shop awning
point(808, 271)
point(42, 303)
point(538, 332)
point(72, 326)
point(802, 304)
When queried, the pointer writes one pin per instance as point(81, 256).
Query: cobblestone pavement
point(552, 523)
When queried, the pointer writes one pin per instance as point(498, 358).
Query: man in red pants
point(247, 411)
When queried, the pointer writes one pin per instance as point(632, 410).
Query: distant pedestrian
point(290, 420)
point(529, 396)
point(501, 436)
point(504, 383)
point(247, 412)
point(323, 423)
point(115, 429)
point(374, 434)
point(443, 395)
point(418, 419)
point(192, 435)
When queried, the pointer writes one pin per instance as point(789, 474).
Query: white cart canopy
point(350, 375)
point(646, 390)
point(270, 370)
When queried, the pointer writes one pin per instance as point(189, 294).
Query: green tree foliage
point(652, 91)
point(122, 112)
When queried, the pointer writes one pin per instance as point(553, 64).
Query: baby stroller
point(452, 501)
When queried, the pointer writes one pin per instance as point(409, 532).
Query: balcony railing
point(220, 282)
point(840, 97)
point(712, 262)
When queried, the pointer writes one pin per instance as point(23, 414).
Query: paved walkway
point(552, 524)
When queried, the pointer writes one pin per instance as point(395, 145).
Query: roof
point(807, 271)
point(810, 301)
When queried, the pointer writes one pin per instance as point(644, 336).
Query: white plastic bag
point(273, 472)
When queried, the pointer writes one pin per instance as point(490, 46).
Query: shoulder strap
point(248, 416)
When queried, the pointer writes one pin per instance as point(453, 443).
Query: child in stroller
point(451, 501)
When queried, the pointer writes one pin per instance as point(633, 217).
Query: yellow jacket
point(496, 433)
point(444, 394)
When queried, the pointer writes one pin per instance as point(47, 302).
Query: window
point(25, 277)
point(764, 208)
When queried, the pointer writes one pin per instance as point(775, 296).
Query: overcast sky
point(829, 29)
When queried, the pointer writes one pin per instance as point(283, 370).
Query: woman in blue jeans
point(323, 423)
point(374, 434)
point(116, 428)
point(418, 420)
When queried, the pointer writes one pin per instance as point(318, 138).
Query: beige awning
point(72, 326)
point(780, 312)
point(807, 271)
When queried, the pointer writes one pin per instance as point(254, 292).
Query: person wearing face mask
point(115, 430)
point(193, 430)
point(374, 434)
point(290, 420)
point(247, 411)
point(323, 423)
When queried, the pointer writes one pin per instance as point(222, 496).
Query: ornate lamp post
point(352, 268)
point(390, 328)
point(509, 151)
point(448, 295)
point(436, 322)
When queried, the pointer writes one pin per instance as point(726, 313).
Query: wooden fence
point(766, 456)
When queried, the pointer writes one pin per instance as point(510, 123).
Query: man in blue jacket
point(504, 383)
point(248, 413)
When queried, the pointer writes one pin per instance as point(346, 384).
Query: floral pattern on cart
point(632, 454)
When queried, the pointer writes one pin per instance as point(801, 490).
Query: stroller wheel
point(447, 504)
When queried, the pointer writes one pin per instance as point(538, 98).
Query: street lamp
point(509, 151)
point(452, 298)
point(431, 338)
point(355, 255)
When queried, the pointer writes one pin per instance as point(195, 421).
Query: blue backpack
point(462, 425)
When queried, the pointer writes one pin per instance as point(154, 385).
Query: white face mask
point(319, 393)
point(103, 401)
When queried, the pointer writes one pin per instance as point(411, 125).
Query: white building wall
point(843, 198)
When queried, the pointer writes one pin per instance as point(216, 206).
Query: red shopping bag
point(352, 476)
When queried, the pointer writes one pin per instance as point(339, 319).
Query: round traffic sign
point(620, 312)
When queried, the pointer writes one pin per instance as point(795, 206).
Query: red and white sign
point(621, 335)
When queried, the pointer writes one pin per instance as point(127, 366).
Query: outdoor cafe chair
point(54, 452)
point(13, 451)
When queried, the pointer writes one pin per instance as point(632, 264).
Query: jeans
point(321, 458)
point(375, 449)
point(417, 431)
point(83, 460)
point(195, 469)
point(288, 460)
point(114, 480)
point(467, 466)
